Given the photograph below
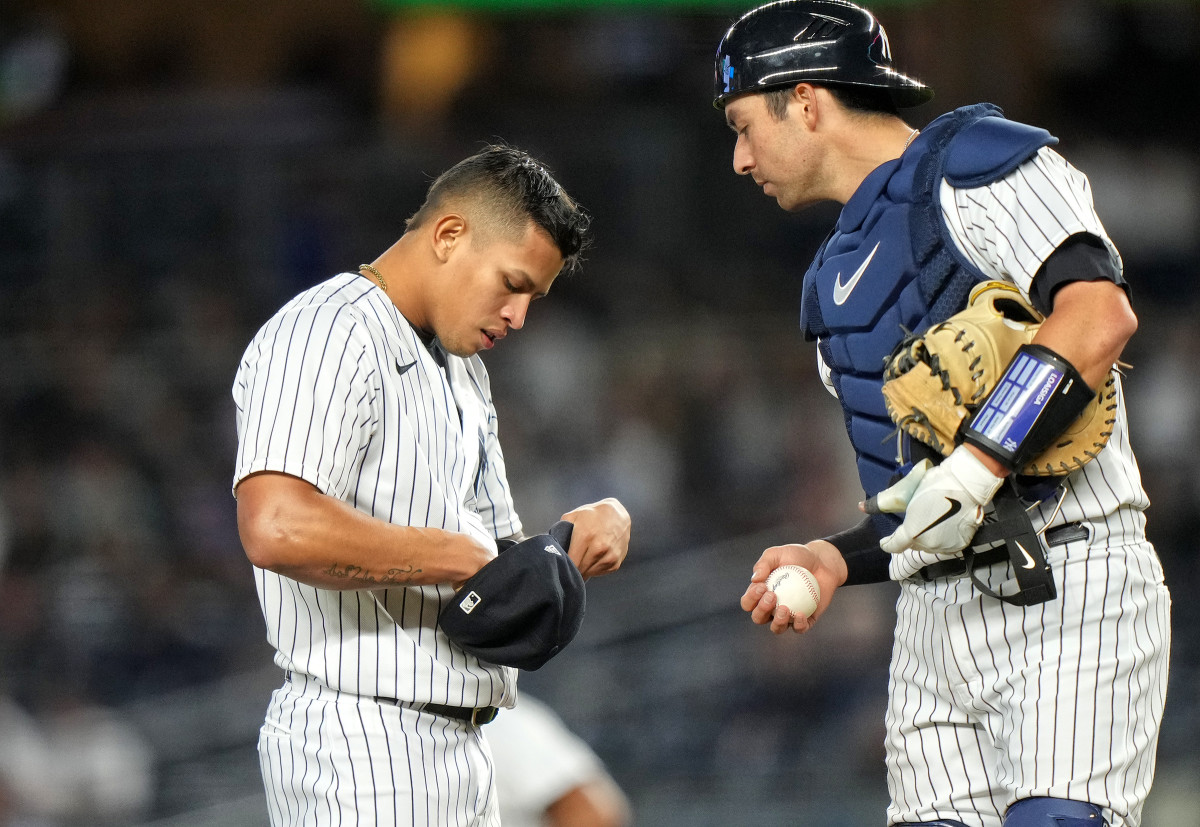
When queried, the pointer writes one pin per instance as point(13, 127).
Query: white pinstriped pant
point(332, 758)
point(990, 703)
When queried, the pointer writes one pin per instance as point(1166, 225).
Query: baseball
point(796, 588)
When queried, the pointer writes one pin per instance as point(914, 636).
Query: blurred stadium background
point(170, 172)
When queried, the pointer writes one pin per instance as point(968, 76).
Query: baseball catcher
point(992, 446)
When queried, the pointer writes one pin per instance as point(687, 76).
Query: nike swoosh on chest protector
point(841, 292)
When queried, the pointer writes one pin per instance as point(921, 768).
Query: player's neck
point(405, 288)
point(862, 151)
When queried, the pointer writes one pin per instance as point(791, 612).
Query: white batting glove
point(946, 507)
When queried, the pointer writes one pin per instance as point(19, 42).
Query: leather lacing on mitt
point(935, 381)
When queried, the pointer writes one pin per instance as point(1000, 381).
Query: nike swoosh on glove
point(946, 507)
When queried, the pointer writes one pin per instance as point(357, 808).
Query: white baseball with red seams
point(796, 588)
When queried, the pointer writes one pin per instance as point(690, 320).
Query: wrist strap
point(1038, 396)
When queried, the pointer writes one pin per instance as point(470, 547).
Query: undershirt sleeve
point(1082, 257)
point(866, 562)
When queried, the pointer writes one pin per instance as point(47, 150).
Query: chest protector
point(890, 267)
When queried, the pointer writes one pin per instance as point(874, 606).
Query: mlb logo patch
point(469, 602)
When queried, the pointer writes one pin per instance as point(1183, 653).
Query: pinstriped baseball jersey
point(1008, 229)
point(990, 703)
point(339, 390)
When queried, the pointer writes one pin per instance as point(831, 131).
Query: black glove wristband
point(1038, 396)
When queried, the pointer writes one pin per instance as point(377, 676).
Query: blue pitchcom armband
point(1038, 396)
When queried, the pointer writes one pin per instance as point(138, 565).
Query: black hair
point(872, 100)
point(514, 189)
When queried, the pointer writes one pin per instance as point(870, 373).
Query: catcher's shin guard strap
point(1038, 396)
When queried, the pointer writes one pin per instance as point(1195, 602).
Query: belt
point(957, 566)
point(475, 716)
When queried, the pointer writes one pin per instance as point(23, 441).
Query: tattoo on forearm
point(358, 573)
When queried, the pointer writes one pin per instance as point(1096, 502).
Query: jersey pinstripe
point(338, 389)
point(990, 703)
point(329, 758)
point(1008, 229)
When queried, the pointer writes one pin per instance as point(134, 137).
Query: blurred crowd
point(145, 236)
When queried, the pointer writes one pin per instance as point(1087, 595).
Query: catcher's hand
point(935, 382)
point(944, 510)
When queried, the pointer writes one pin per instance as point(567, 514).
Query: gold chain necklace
point(378, 276)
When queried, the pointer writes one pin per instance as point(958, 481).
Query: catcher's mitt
point(934, 382)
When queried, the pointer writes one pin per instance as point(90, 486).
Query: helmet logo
point(727, 73)
point(821, 27)
point(884, 46)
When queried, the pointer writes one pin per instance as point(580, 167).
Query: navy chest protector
point(889, 266)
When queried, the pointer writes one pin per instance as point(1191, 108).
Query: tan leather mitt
point(935, 381)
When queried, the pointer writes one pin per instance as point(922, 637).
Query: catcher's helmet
point(830, 42)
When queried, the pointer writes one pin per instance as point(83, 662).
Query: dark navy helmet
point(829, 42)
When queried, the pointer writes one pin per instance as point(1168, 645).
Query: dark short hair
point(870, 100)
point(865, 99)
point(514, 189)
